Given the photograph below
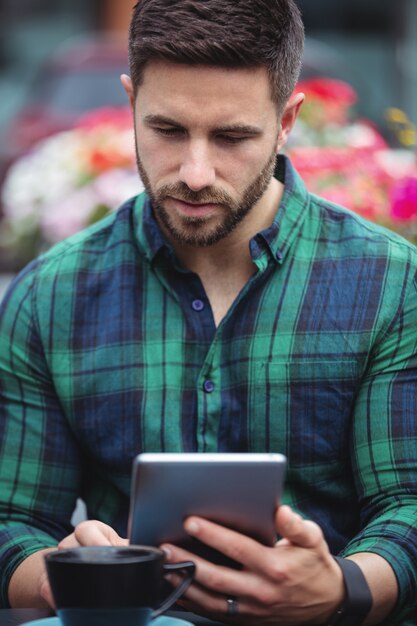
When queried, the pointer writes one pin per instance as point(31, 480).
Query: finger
point(215, 577)
point(222, 580)
point(245, 550)
point(300, 532)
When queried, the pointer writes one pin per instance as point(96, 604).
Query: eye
point(171, 131)
point(232, 139)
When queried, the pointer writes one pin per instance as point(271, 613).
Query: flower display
point(347, 160)
point(68, 181)
point(74, 178)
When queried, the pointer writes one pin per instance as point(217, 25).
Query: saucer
point(163, 620)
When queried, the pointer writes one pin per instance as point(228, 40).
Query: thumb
point(95, 533)
point(296, 530)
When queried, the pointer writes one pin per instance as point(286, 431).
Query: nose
point(197, 170)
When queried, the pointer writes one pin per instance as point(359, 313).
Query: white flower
point(67, 180)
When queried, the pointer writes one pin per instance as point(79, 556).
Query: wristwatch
point(358, 599)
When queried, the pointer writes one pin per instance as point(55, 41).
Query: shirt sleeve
point(384, 450)
point(39, 459)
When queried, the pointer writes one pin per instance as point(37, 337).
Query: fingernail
point(192, 527)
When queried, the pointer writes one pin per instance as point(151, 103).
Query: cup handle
point(188, 567)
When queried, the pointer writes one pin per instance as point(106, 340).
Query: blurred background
point(62, 58)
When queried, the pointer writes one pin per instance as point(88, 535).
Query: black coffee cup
point(106, 585)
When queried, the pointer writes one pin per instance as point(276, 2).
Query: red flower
point(328, 90)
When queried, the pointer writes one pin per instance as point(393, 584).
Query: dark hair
point(225, 33)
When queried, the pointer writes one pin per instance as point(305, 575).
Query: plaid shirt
point(108, 348)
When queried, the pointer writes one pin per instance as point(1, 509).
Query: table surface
point(14, 617)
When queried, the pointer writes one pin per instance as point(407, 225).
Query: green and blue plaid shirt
point(109, 348)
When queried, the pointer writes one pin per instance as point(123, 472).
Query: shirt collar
point(290, 214)
point(275, 240)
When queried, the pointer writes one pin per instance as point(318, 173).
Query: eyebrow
point(243, 129)
point(160, 119)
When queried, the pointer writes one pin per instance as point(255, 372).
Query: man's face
point(206, 141)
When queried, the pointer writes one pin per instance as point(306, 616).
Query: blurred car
point(80, 76)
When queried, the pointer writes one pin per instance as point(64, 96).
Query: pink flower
point(403, 198)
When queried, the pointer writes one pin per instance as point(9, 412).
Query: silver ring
point(232, 606)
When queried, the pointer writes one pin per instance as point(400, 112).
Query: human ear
point(128, 87)
point(288, 118)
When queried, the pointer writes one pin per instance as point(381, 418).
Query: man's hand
point(89, 533)
point(29, 586)
point(296, 581)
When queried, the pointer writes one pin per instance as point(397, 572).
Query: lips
point(193, 209)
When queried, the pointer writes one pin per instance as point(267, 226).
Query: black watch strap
point(358, 598)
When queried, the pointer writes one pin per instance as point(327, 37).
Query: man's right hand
point(29, 586)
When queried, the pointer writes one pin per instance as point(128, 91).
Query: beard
point(197, 231)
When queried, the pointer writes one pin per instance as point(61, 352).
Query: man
point(226, 310)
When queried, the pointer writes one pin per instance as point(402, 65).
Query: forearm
point(27, 580)
point(382, 584)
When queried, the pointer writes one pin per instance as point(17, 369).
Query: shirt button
point(198, 305)
point(208, 386)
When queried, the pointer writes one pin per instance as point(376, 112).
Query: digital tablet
point(240, 491)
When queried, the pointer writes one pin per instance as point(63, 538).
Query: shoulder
point(369, 270)
point(339, 229)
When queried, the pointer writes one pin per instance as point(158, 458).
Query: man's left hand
point(296, 581)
